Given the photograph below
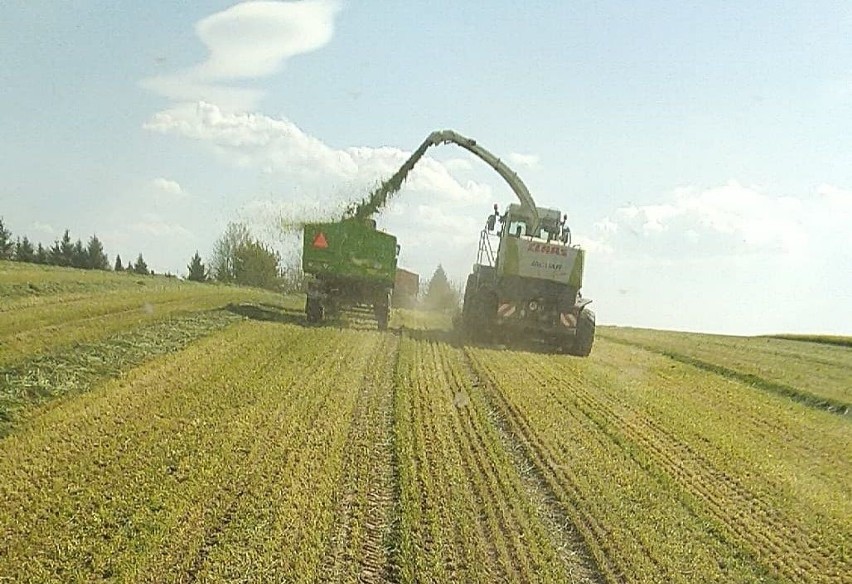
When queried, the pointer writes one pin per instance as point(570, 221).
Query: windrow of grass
point(76, 369)
point(815, 374)
point(464, 513)
point(677, 475)
point(840, 340)
point(31, 328)
point(221, 462)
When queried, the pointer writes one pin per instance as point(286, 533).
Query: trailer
point(350, 263)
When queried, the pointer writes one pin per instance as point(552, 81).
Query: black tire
point(467, 304)
point(585, 336)
point(313, 309)
point(381, 310)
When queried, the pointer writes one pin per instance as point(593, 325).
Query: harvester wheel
point(479, 313)
point(313, 309)
point(467, 303)
point(585, 334)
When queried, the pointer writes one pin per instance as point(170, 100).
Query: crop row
point(465, 514)
point(659, 465)
point(222, 461)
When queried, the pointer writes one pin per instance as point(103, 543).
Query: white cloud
point(607, 225)
point(458, 164)
point(731, 218)
point(593, 245)
point(527, 160)
point(43, 228)
point(836, 198)
point(277, 145)
point(248, 41)
point(168, 186)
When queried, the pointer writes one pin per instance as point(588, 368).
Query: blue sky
point(703, 151)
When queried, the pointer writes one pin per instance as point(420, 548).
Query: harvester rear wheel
point(585, 336)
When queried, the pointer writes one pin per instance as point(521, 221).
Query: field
point(153, 430)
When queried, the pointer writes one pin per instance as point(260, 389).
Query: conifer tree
point(24, 251)
point(197, 271)
point(7, 246)
point(95, 256)
point(140, 267)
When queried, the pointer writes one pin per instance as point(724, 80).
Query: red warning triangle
point(320, 241)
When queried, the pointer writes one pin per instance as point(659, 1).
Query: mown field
point(153, 430)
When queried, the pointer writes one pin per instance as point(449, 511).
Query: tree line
point(237, 258)
point(64, 252)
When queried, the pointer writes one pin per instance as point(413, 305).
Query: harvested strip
point(635, 527)
point(207, 464)
point(92, 488)
point(841, 341)
point(76, 370)
point(283, 523)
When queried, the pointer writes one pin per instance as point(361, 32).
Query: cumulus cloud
point(45, 228)
point(168, 186)
point(728, 219)
point(526, 160)
point(277, 145)
point(248, 41)
point(458, 164)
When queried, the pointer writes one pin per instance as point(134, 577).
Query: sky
point(702, 150)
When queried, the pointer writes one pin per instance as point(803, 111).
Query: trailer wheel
point(313, 309)
point(382, 318)
point(382, 312)
point(585, 334)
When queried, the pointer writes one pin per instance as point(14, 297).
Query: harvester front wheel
point(585, 335)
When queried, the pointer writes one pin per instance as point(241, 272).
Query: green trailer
point(350, 263)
